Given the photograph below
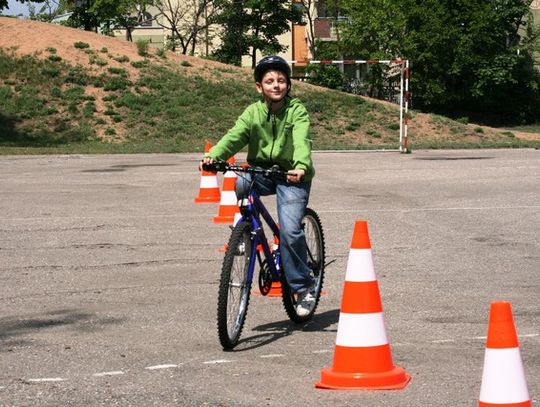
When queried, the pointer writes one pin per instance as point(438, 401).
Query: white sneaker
point(305, 303)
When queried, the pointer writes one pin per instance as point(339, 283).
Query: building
point(155, 27)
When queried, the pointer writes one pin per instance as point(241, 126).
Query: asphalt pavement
point(109, 273)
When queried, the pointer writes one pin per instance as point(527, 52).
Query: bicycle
point(243, 252)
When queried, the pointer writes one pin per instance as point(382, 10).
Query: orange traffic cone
point(237, 217)
point(228, 205)
point(275, 289)
point(503, 378)
point(209, 190)
point(362, 356)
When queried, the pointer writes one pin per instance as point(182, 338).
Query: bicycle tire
point(234, 289)
point(316, 257)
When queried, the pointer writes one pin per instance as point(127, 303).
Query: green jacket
point(281, 138)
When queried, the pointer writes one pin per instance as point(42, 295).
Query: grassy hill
point(64, 90)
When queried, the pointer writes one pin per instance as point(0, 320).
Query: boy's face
point(273, 86)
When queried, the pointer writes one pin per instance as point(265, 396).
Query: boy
point(276, 130)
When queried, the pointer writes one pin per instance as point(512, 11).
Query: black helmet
point(272, 62)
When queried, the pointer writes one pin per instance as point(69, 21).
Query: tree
point(254, 25)
point(475, 58)
point(469, 57)
point(125, 14)
point(48, 11)
point(376, 29)
point(82, 15)
point(268, 20)
point(105, 15)
point(234, 19)
point(188, 21)
point(4, 3)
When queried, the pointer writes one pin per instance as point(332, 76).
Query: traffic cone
point(362, 356)
point(237, 217)
point(228, 204)
point(209, 190)
point(275, 289)
point(503, 378)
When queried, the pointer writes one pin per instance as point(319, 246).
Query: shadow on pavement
point(276, 330)
point(19, 330)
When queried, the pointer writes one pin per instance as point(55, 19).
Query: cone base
point(275, 290)
point(224, 219)
point(209, 199)
point(395, 379)
point(522, 404)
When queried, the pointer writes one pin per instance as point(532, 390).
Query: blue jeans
point(292, 200)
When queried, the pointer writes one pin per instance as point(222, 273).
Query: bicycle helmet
point(272, 62)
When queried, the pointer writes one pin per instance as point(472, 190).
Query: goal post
point(402, 97)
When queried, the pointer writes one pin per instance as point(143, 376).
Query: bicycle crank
point(265, 278)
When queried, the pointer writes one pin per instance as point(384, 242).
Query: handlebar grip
point(220, 166)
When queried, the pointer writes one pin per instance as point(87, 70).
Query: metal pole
point(401, 124)
point(407, 96)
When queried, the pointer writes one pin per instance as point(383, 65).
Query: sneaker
point(305, 303)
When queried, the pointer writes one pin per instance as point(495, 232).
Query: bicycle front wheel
point(313, 231)
point(234, 287)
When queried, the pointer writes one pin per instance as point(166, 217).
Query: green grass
point(49, 106)
point(533, 128)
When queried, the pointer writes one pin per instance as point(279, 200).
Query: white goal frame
point(404, 93)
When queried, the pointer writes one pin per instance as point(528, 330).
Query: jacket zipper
point(273, 136)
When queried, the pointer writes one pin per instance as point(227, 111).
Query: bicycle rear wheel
point(314, 233)
point(234, 287)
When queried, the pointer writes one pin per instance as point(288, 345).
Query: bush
point(81, 45)
point(116, 83)
point(56, 92)
point(142, 47)
point(121, 58)
point(51, 71)
point(327, 76)
point(54, 58)
point(77, 76)
point(74, 94)
point(161, 52)
point(117, 71)
point(5, 92)
point(89, 109)
point(139, 64)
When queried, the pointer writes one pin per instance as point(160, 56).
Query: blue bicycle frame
point(253, 211)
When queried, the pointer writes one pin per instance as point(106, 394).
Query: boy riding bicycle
point(276, 131)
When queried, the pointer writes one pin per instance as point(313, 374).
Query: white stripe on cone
point(361, 330)
point(503, 379)
point(208, 181)
point(228, 198)
point(360, 266)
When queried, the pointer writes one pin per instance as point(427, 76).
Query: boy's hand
point(295, 176)
point(205, 160)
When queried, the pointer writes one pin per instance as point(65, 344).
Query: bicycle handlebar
point(223, 166)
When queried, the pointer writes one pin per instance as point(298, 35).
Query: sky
point(15, 8)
